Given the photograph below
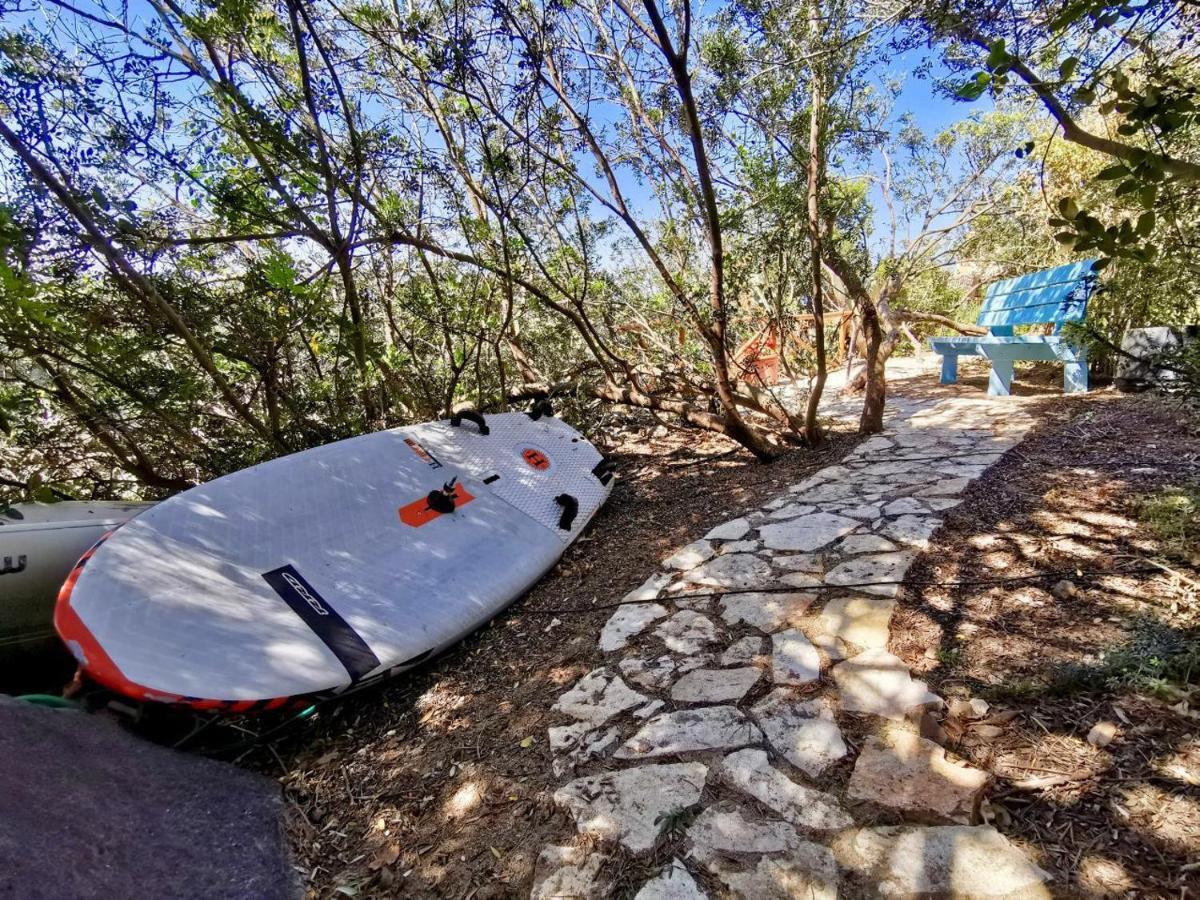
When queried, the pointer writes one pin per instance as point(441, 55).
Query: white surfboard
point(320, 571)
point(39, 543)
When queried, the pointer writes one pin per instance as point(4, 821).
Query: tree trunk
point(812, 432)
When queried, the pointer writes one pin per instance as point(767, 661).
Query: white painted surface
point(178, 600)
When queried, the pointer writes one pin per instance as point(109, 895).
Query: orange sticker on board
point(535, 458)
point(419, 512)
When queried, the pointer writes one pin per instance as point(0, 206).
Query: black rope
point(967, 582)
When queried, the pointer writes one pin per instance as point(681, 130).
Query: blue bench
point(1051, 296)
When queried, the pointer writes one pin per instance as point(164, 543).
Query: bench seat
point(1051, 296)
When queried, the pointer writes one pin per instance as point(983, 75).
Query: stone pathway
point(731, 674)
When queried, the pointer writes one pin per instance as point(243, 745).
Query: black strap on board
point(471, 416)
point(603, 471)
point(570, 509)
point(335, 633)
point(541, 407)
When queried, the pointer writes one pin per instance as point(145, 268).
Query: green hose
point(51, 700)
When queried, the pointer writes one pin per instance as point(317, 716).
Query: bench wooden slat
point(1051, 296)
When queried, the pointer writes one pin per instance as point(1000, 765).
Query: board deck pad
point(315, 572)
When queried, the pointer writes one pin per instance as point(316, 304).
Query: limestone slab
point(733, 530)
point(800, 562)
point(742, 651)
point(649, 673)
point(801, 579)
point(794, 659)
point(877, 682)
point(807, 533)
point(766, 611)
point(802, 731)
point(861, 510)
point(691, 730)
point(810, 810)
point(736, 571)
point(911, 775)
point(649, 589)
point(912, 530)
point(690, 556)
point(943, 861)
point(687, 631)
point(792, 511)
point(597, 697)
point(740, 547)
point(861, 619)
point(627, 621)
point(628, 805)
point(877, 573)
point(569, 872)
point(865, 543)
point(944, 487)
point(719, 832)
point(715, 685)
point(905, 506)
point(809, 871)
point(673, 883)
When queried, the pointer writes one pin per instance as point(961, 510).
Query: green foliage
point(1173, 515)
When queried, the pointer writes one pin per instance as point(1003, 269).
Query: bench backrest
point(1055, 295)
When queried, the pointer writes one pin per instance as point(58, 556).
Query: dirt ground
point(438, 785)
point(1054, 659)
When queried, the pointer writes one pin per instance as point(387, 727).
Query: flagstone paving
point(730, 675)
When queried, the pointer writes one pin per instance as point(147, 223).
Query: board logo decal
point(422, 453)
point(535, 458)
point(335, 633)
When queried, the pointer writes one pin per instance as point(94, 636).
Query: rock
point(980, 707)
point(794, 660)
point(627, 621)
point(940, 504)
point(597, 697)
point(735, 571)
point(740, 547)
point(865, 573)
point(1064, 589)
point(809, 871)
point(674, 883)
point(865, 543)
point(801, 580)
point(800, 562)
point(791, 511)
point(687, 632)
point(733, 530)
point(808, 809)
point(714, 685)
point(811, 532)
point(650, 588)
point(947, 486)
point(690, 556)
point(802, 731)
point(905, 506)
point(90, 810)
point(579, 741)
point(650, 709)
point(945, 861)
point(877, 682)
point(1102, 733)
point(969, 709)
point(743, 651)
point(861, 620)
point(569, 872)
point(861, 510)
point(649, 673)
point(690, 730)
point(628, 805)
point(765, 611)
point(720, 832)
point(911, 775)
point(912, 530)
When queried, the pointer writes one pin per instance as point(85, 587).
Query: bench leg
point(1075, 374)
point(950, 368)
point(1000, 378)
